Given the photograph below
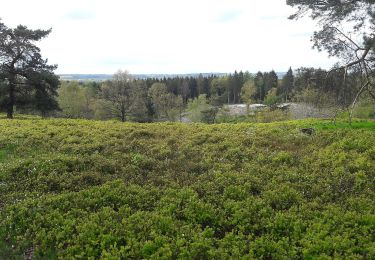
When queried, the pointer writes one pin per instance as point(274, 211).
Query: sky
point(168, 36)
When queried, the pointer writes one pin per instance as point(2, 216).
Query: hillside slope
point(75, 188)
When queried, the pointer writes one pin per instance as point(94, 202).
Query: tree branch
point(347, 37)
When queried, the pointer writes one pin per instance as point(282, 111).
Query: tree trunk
point(11, 102)
point(286, 96)
point(10, 112)
point(122, 112)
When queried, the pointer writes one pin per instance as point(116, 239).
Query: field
point(81, 189)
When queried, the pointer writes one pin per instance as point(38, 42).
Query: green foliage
point(350, 77)
point(365, 109)
point(271, 98)
point(26, 80)
point(116, 95)
point(209, 115)
point(286, 86)
point(356, 17)
point(121, 98)
point(359, 124)
point(264, 82)
point(90, 189)
point(74, 100)
point(219, 91)
point(248, 92)
point(315, 97)
point(196, 108)
point(167, 105)
point(272, 115)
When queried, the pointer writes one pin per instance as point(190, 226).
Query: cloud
point(168, 36)
point(228, 16)
point(301, 34)
point(80, 15)
point(273, 17)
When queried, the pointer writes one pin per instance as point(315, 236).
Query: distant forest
point(130, 98)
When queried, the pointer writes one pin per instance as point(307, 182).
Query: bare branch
point(357, 96)
point(347, 37)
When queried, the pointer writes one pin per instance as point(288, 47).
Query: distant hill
point(280, 75)
point(104, 77)
point(85, 77)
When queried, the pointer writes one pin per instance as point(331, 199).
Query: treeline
point(153, 99)
point(200, 98)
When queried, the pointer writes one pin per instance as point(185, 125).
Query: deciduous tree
point(116, 95)
point(167, 105)
point(248, 92)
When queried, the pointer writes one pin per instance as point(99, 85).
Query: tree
point(334, 93)
point(27, 80)
point(200, 84)
point(166, 105)
point(235, 83)
point(138, 108)
point(248, 92)
point(347, 32)
point(71, 100)
point(357, 16)
point(286, 85)
point(185, 91)
point(259, 83)
point(308, 77)
point(271, 98)
point(197, 108)
point(89, 94)
point(116, 95)
point(208, 116)
point(218, 90)
point(156, 93)
point(270, 81)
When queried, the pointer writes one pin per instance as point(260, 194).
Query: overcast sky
point(167, 36)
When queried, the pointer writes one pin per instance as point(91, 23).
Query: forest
point(167, 168)
point(201, 99)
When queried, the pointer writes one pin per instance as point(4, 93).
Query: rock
point(308, 131)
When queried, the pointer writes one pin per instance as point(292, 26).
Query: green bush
point(88, 189)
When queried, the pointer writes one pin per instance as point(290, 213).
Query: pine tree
point(27, 81)
point(286, 86)
point(259, 83)
point(270, 81)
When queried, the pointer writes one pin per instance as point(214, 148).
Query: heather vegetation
point(80, 189)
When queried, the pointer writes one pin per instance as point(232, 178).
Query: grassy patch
point(357, 124)
point(6, 151)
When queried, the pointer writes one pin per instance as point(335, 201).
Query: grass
point(6, 152)
point(357, 124)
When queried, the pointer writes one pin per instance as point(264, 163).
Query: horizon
point(103, 77)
